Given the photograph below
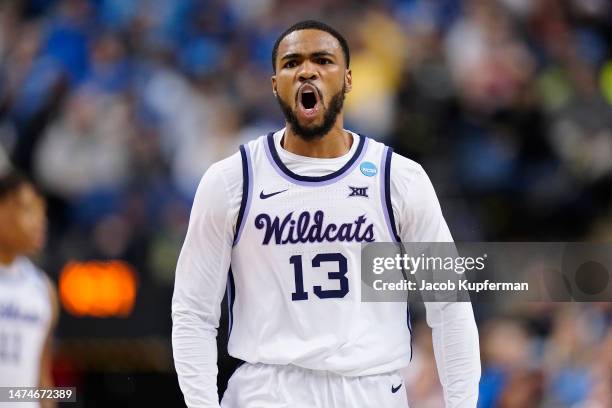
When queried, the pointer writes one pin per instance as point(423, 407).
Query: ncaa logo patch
point(368, 169)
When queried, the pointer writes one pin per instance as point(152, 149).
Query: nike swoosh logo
point(395, 389)
point(264, 196)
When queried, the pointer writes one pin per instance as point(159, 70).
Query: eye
point(290, 64)
point(324, 61)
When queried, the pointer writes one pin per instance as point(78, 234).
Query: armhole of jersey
point(247, 189)
point(42, 280)
point(245, 202)
point(231, 295)
point(409, 323)
point(386, 195)
point(390, 219)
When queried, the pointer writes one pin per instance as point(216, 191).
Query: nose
point(307, 71)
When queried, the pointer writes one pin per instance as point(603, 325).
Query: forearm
point(46, 363)
point(195, 358)
point(455, 336)
point(46, 382)
point(457, 351)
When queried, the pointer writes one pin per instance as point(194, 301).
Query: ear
point(348, 80)
point(273, 79)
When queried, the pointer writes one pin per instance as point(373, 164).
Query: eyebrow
point(314, 54)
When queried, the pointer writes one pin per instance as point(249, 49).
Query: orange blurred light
point(98, 288)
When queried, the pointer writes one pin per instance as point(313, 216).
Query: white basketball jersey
point(294, 288)
point(25, 315)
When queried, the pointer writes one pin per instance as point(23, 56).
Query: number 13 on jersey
point(337, 273)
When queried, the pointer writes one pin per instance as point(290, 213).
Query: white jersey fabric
point(293, 245)
point(25, 316)
point(295, 284)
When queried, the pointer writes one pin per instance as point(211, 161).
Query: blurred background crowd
point(117, 107)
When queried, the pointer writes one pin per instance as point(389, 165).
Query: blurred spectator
point(84, 150)
point(421, 378)
point(376, 64)
point(490, 64)
point(506, 359)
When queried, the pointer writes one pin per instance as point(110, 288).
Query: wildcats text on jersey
point(303, 230)
point(12, 311)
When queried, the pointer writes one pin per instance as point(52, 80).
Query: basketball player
point(28, 306)
point(289, 213)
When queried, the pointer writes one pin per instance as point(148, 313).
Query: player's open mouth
point(308, 101)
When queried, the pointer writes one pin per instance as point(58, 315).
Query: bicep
point(46, 357)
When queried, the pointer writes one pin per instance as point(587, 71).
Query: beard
point(312, 132)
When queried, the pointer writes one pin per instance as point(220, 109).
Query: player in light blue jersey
point(289, 213)
point(28, 306)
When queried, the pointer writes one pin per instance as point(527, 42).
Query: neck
point(7, 256)
point(334, 143)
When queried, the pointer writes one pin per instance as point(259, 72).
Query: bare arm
point(46, 358)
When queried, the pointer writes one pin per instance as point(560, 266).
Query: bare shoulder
point(53, 299)
point(45, 285)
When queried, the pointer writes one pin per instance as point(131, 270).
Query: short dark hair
point(312, 25)
point(10, 181)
